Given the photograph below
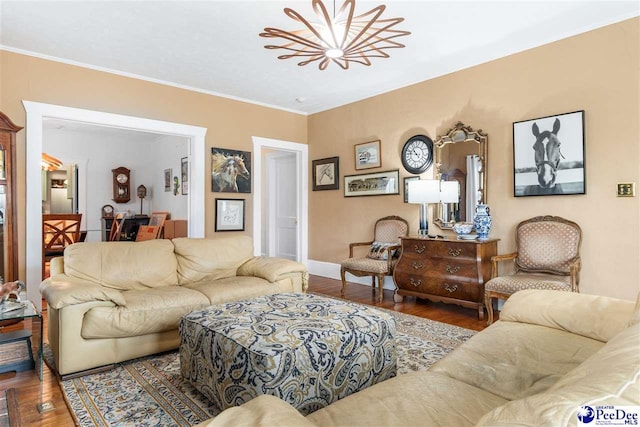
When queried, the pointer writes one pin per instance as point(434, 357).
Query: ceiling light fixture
point(50, 163)
point(342, 38)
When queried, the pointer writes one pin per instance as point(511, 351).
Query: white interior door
point(282, 202)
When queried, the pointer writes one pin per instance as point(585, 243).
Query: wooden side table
point(32, 337)
point(446, 270)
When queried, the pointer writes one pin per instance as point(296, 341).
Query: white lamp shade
point(424, 191)
point(449, 191)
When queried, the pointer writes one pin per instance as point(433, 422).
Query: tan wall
point(597, 72)
point(229, 123)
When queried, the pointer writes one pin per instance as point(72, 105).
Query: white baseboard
point(332, 271)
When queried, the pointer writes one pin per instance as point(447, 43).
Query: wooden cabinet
point(175, 228)
point(129, 228)
point(451, 271)
point(8, 205)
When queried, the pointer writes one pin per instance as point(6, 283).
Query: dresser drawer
point(409, 280)
point(453, 289)
point(438, 249)
point(436, 267)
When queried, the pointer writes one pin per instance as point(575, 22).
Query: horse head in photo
point(225, 170)
point(547, 154)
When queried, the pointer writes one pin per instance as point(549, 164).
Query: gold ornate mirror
point(461, 155)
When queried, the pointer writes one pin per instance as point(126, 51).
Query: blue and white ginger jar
point(482, 221)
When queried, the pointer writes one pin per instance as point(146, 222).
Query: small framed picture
point(326, 174)
point(548, 155)
point(157, 219)
point(184, 172)
point(229, 215)
point(368, 155)
point(406, 186)
point(167, 179)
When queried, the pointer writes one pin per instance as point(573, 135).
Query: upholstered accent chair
point(547, 257)
point(383, 254)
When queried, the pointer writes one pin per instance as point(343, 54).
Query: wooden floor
point(25, 391)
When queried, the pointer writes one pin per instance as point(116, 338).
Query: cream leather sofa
point(551, 353)
point(114, 301)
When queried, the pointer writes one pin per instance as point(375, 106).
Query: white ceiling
point(52, 126)
point(214, 47)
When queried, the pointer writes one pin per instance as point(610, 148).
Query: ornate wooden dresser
point(447, 270)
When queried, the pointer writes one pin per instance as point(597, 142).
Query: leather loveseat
point(114, 301)
point(550, 355)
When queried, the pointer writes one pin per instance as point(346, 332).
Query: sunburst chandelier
point(50, 163)
point(341, 38)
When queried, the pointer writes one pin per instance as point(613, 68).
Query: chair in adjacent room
point(547, 257)
point(116, 227)
point(383, 253)
point(58, 232)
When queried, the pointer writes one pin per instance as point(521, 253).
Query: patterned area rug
point(150, 391)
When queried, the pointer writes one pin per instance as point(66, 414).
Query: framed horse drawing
point(549, 155)
point(230, 171)
point(326, 174)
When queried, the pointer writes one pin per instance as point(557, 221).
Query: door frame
point(36, 112)
point(302, 166)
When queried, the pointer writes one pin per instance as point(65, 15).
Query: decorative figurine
point(176, 185)
point(11, 288)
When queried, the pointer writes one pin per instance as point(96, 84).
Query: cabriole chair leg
point(344, 282)
point(380, 287)
point(488, 301)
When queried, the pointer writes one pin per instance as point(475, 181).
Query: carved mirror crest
point(461, 155)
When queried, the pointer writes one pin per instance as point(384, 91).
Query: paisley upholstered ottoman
point(305, 349)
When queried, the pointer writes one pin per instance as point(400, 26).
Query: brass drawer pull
point(417, 265)
point(415, 283)
point(450, 288)
point(452, 270)
point(420, 249)
point(455, 252)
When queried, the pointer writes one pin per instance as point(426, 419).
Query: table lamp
point(424, 192)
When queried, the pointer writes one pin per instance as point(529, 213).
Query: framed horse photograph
point(549, 155)
point(326, 173)
point(230, 171)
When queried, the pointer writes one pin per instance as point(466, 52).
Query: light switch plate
point(626, 189)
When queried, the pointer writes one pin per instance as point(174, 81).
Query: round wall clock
point(417, 154)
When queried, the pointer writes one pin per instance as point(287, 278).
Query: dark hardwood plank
point(28, 391)
point(441, 312)
point(12, 408)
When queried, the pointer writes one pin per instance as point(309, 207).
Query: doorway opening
point(93, 152)
point(280, 200)
point(61, 190)
point(37, 113)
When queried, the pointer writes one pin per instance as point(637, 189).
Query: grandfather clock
point(8, 224)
